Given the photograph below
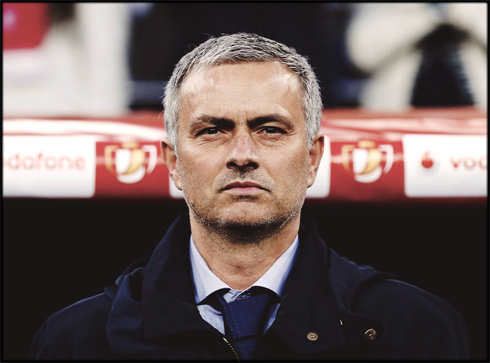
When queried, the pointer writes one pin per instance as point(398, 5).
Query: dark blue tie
point(245, 318)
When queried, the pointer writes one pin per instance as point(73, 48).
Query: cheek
point(292, 171)
point(198, 169)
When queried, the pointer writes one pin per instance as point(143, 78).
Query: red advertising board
point(371, 168)
point(420, 156)
point(131, 169)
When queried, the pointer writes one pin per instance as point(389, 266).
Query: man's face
point(243, 158)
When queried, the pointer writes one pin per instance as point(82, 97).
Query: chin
point(246, 214)
point(247, 225)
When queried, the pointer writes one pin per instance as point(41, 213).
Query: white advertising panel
point(445, 165)
point(49, 166)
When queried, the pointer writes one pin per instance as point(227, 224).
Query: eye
point(209, 131)
point(273, 130)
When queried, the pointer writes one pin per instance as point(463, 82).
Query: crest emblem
point(366, 161)
point(129, 161)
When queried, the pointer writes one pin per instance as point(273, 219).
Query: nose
point(243, 156)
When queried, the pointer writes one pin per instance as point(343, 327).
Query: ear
point(316, 153)
point(170, 159)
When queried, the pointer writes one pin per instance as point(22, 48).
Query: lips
point(243, 186)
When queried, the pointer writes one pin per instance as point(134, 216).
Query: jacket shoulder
point(417, 315)
point(80, 326)
point(416, 324)
point(381, 297)
point(348, 278)
point(399, 302)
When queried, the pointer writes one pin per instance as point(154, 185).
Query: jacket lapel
point(168, 301)
point(308, 305)
point(317, 297)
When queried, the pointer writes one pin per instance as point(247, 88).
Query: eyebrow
point(217, 121)
point(228, 123)
point(270, 118)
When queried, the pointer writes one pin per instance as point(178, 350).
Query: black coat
point(331, 309)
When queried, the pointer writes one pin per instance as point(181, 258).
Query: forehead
point(250, 88)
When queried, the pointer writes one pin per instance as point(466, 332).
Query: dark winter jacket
point(330, 309)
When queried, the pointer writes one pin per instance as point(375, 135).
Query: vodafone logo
point(49, 166)
point(45, 162)
point(458, 163)
point(469, 163)
point(130, 162)
point(427, 161)
point(445, 165)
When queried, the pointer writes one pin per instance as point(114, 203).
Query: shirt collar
point(206, 282)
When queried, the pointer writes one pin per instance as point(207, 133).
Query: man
point(241, 276)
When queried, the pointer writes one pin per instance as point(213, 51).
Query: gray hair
point(241, 48)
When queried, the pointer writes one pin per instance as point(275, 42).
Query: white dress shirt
point(206, 283)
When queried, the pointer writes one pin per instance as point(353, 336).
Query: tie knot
point(217, 301)
point(245, 317)
point(253, 292)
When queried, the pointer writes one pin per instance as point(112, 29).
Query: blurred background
point(98, 60)
point(95, 59)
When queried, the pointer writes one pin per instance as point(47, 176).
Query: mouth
point(243, 187)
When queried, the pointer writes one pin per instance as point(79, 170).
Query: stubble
point(242, 231)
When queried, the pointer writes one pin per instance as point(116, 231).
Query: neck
point(239, 265)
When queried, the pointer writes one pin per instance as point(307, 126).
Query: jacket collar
point(168, 303)
point(308, 284)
